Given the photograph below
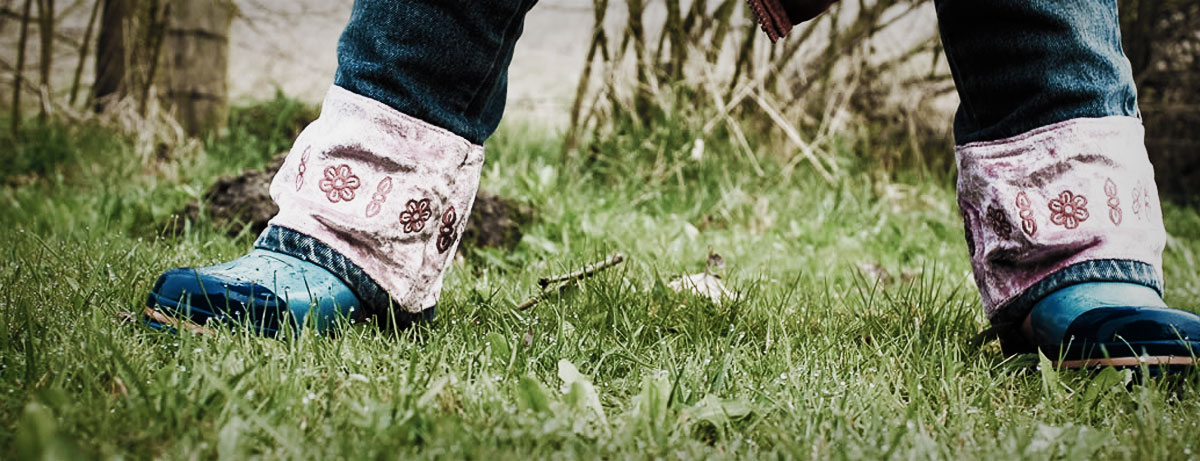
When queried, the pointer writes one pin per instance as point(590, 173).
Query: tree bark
point(84, 49)
point(195, 62)
point(180, 47)
point(17, 77)
point(112, 60)
point(46, 33)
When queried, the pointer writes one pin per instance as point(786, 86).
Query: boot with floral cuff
point(372, 204)
point(1065, 234)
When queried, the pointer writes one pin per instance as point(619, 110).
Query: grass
point(815, 359)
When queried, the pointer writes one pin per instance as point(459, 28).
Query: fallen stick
point(587, 271)
point(561, 281)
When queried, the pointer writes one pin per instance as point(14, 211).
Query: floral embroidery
point(446, 233)
point(415, 213)
point(381, 191)
point(339, 183)
point(1068, 210)
point(302, 169)
point(1028, 224)
point(1137, 200)
point(1114, 203)
point(998, 221)
point(1147, 203)
point(1141, 200)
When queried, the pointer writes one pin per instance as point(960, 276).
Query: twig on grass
point(558, 282)
point(585, 272)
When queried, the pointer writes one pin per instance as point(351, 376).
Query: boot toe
point(190, 295)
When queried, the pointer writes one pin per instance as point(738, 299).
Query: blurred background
point(804, 189)
point(603, 75)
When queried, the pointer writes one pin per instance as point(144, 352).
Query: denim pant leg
point(441, 61)
point(1054, 183)
point(1025, 64)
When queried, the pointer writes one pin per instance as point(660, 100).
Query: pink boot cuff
point(1076, 191)
point(389, 192)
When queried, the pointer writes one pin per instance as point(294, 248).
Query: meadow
point(848, 334)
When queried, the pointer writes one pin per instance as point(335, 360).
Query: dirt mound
point(237, 201)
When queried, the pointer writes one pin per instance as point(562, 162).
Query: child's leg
point(1057, 193)
point(375, 193)
point(444, 62)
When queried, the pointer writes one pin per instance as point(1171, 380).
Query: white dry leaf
point(698, 150)
point(690, 231)
point(702, 284)
point(579, 391)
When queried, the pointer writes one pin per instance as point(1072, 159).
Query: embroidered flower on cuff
point(997, 219)
point(1068, 210)
point(415, 213)
point(339, 183)
point(1028, 223)
point(446, 234)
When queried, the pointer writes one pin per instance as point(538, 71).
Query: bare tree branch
point(17, 77)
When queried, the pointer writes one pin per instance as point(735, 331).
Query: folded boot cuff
point(1038, 203)
point(389, 192)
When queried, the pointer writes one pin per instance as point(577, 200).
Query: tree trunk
point(112, 60)
point(181, 47)
point(17, 77)
point(84, 49)
point(46, 33)
point(195, 59)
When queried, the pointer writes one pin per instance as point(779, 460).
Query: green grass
point(813, 360)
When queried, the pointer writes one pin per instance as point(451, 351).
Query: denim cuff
point(375, 300)
point(1008, 319)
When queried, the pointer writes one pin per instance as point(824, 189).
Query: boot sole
point(159, 320)
point(1129, 362)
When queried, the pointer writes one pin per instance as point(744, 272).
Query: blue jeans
point(442, 61)
point(1024, 64)
point(1017, 64)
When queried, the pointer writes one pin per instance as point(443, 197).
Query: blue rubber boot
point(263, 290)
point(1114, 324)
